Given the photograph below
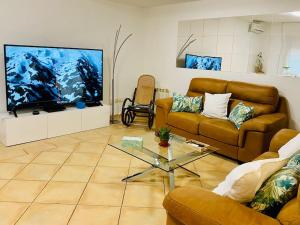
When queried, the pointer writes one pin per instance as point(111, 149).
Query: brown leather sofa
point(196, 206)
point(245, 144)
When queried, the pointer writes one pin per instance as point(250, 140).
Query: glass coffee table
point(179, 153)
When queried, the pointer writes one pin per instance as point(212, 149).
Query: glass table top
point(179, 153)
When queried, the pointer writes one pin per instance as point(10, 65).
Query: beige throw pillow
point(243, 182)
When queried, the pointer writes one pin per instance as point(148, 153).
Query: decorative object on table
point(133, 142)
point(259, 64)
point(80, 105)
point(240, 114)
point(186, 44)
point(164, 136)
point(183, 103)
point(115, 58)
point(142, 103)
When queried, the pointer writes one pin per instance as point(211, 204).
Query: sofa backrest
point(199, 86)
point(264, 99)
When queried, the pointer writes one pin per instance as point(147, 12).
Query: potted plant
point(164, 136)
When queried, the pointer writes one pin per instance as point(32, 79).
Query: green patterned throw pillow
point(186, 104)
point(279, 189)
point(241, 113)
point(294, 162)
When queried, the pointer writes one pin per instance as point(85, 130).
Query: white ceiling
point(151, 3)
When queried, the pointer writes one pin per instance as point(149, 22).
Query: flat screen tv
point(203, 62)
point(38, 75)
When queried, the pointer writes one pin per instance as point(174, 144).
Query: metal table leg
point(139, 175)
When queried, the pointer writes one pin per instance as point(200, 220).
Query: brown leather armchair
point(197, 206)
point(245, 144)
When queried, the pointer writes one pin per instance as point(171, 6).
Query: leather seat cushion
point(219, 129)
point(185, 121)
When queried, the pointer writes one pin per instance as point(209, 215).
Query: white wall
point(75, 23)
point(161, 45)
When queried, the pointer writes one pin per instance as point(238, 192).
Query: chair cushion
point(185, 121)
point(219, 129)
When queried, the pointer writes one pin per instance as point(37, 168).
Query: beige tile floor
point(76, 180)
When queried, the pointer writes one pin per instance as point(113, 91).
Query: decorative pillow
point(241, 113)
point(290, 148)
point(294, 162)
point(186, 104)
point(215, 105)
point(276, 192)
point(242, 182)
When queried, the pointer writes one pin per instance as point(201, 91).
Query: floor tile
point(10, 154)
point(83, 159)
point(51, 158)
point(65, 147)
point(37, 172)
point(27, 158)
point(46, 214)
point(21, 191)
point(137, 163)
point(11, 211)
point(3, 182)
point(63, 140)
point(37, 146)
point(109, 174)
point(145, 216)
point(114, 160)
point(90, 147)
point(144, 196)
point(95, 215)
point(103, 194)
point(73, 173)
point(61, 192)
point(9, 170)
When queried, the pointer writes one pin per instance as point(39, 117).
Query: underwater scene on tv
point(203, 62)
point(62, 75)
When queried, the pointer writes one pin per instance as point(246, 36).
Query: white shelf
point(28, 127)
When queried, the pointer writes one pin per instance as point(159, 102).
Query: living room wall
point(76, 23)
point(161, 45)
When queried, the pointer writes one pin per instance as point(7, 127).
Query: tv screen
point(36, 75)
point(203, 62)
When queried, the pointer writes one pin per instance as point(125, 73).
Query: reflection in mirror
point(251, 44)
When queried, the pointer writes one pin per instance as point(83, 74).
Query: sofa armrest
point(196, 206)
point(264, 123)
point(163, 107)
point(281, 138)
point(165, 103)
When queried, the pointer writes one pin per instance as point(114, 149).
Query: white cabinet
point(27, 127)
point(93, 118)
point(64, 122)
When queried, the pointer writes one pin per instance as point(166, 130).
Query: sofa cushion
point(185, 121)
point(219, 129)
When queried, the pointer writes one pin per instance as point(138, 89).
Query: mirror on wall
point(263, 44)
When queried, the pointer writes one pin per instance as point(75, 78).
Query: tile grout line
point(47, 182)
point(123, 197)
point(76, 206)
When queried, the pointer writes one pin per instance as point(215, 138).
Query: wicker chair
point(142, 103)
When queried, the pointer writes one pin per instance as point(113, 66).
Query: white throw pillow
point(290, 148)
point(243, 182)
point(215, 105)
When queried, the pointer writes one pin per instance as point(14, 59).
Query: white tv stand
point(28, 127)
